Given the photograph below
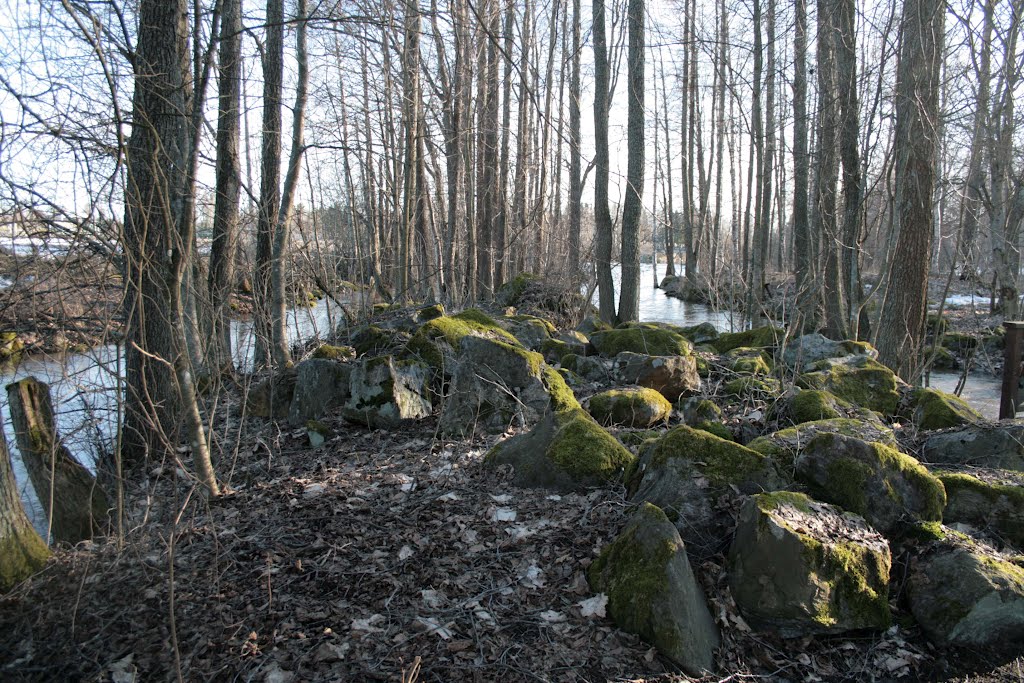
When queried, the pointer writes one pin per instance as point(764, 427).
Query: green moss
point(922, 480)
point(548, 326)
point(22, 554)
point(847, 480)
point(562, 397)
point(925, 532)
point(869, 384)
point(722, 462)
point(716, 428)
point(430, 312)
point(961, 342)
point(451, 329)
point(631, 438)
point(935, 409)
point(814, 404)
point(632, 578)
point(329, 352)
point(759, 337)
point(630, 407)
point(749, 361)
point(653, 342)
point(384, 308)
point(583, 448)
point(753, 387)
point(511, 293)
point(372, 340)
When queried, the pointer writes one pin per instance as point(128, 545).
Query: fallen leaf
point(553, 617)
point(503, 515)
point(593, 607)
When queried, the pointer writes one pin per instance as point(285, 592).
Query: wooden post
point(75, 505)
point(1011, 369)
point(22, 551)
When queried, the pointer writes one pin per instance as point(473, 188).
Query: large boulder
point(498, 385)
point(810, 405)
point(687, 471)
point(647, 340)
point(800, 566)
point(629, 407)
point(887, 487)
point(385, 392)
point(671, 376)
point(859, 380)
point(999, 445)
point(590, 368)
point(748, 361)
point(785, 445)
point(990, 506)
point(532, 332)
point(652, 591)
point(320, 385)
point(758, 337)
point(566, 451)
point(803, 352)
point(965, 594)
point(934, 409)
point(438, 340)
point(271, 397)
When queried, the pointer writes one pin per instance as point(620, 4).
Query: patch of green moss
point(633, 578)
point(583, 448)
point(511, 293)
point(330, 352)
point(372, 340)
point(867, 385)
point(548, 326)
point(430, 312)
point(22, 554)
point(768, 502)
point(922, 480)
point(451, 329)
point(629, 406)
point(562, 397)
point(750, 386)
point(852, 570)
point(384, 308)
point(555, 349)
point(935, 409)
point(652, 342)
point(716, 428)
point(925, 532)
point(847, 479)
point(722, 462)
point(749, 361)
point(814, 404)
point(758, 337)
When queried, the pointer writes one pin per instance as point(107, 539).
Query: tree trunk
point(805, 299)
point(602, 215)
point(75, 505)
point(229, 183)
point(629, 297)
point(902, 318)
point(849, 152)
point(575, 161)
point(22, 551)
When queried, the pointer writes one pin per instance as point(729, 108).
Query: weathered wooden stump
point(75, 505)
point(22, 551)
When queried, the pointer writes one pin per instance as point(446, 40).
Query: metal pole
point(1011, 369)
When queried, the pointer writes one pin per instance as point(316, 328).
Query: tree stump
point(75, 505)
point(22, 551)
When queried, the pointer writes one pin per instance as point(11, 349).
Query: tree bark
point(805, 300)
point(629, 297)
point(602, 216)
point(75, 505)
point(22, 551)
point(902, 317)
point(575, 155)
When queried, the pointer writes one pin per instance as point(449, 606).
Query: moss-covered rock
point(696, 409)
point(811, 405)
point(317, 433)
point(320, 385)
point(330, 352)
point(749, 361)
point(998, 445)
point(385, 392)
point(799, 566)
point(992, 507)
point(887, 487)
point(497, 385)
point(565, 451)
point(757, 388)
point(859, 380)
point(511, 293)
point(590, 368)
point(703, 333)
point(429, 313)
point(934, 409)
point(941, 358)
point(630, 407)
point(785, 445)
point(758, 337)
point(641, 340)
point(803, 352)
point(437, 341)
point(671, 376)
point(376, 341)
point(271, 397)
point(960, 343)
point(965, 594)
point(687, 470)
point(652, 591)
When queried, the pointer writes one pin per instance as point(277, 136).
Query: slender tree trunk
point(849, 152)
point(629, 300)
point(902, 318)
point(973, 201)
point(602, 215)
point(805, 299)
point(22, 551)
point(670, 217)
point(575, 162)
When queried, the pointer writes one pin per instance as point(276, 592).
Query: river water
point(83, 386)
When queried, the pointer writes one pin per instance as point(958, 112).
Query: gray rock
point(785, 445)
point(999, 445)
point(994, 507)
point(967, 596)
point(803, 352)
point(799, 566)
point(272, 396)
point(566, 451)
point(590, 368)
point(320, 385)
point(652, 591)
point(530, 332)
point(495, 386)
point(887, 487)
point(687, 471)
point(671, 376)
point(385, 392)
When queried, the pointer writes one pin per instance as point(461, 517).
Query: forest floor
point(392, 556)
